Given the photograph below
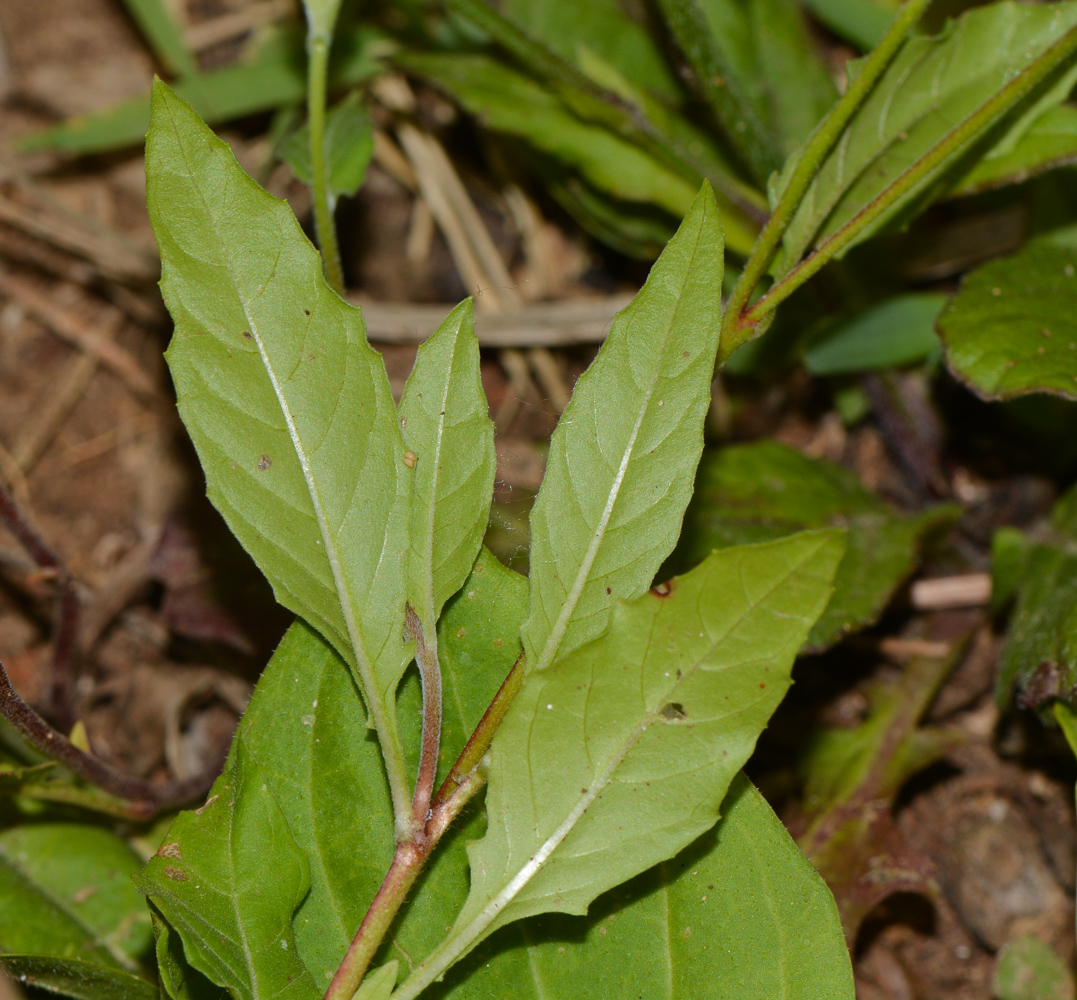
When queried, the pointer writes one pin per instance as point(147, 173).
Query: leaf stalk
point(736, 329)
point(960, 135)
point(426, 658)
point(324, 226)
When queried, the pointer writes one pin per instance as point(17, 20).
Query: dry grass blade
point(228, 26)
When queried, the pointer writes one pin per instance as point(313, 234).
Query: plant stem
point(324, 226)
point(426, 658)
point(735, 332)
point(963, 133)
point(408, 862)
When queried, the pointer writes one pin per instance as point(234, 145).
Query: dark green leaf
point(1012, 329)
point(767, 490)
point(1050, 142)
point(898, 332)
point(443, 414)
point(178, 980)
point(77, 979)
point(626, 447)
point(156, 22)
point(603, 27)
point(288, 405)
point(1028, 969)
point(65, 891)
point(228, 879)
point(932, 84)
point(619, 755)
point(740, 910)
point(768, 50)
point(349, 142)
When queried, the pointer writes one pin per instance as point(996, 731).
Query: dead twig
point(228, 26)
point(82, 334)
point(971, 590)
point(67, 612)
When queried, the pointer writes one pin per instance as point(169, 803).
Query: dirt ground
point(176, 623)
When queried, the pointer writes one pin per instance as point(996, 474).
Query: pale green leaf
point(1012, 328)
point(287, 404)
point(444, 420)
point(900, 331)
point(619, 755)
point(228, 879)
point(932, 84)
point(378, 985)
point(1028, 969)
point(1050, 142)
point(75, 978)
point(65, 891)
point(749, 493)
point(349, 144)
point(740, 910)
point(622, 460)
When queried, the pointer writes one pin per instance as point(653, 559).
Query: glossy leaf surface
point(444, 421)
point(619, 756)
point(931, 85)
point(748, 493)
point(739, 910)
point(1009, 330)
point(621, 462)
point(287, 404)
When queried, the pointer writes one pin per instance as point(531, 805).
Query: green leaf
point(621, 462)
point(274, 77)
point(156, 22)
point(768, 51)
point(932, 84)
point(620, 754)
point(349, 142)
point(900, 331)
point(378, 985)
point(1050, 142)
point(1028, 969)
point(306, 728)
point(443, 414)
point(603, 27)
point(507, 101)
point(287, 404)
point(178, 980)
point(1009, 330)
point(752, 492)
point(862, 22)
point(65, 892)
point(75, 978)
point(228, 879)
point(739, 910)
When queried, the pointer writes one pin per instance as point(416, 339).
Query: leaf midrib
point(331, 551)
point(557, 634)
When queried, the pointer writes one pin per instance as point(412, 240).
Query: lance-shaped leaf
point(77, 979)
point(450, 437)
point(740, 910)
point(1012, 329)
point(287, 404)
point(621, 463)
point(931, 86)
point(228, 879)
point(619, 755)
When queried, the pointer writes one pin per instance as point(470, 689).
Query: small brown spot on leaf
point(83, 894)
point(247, 335)
point(608, 591)
point(663, 589)
point(176, 874)
point(169, 851)
point(673, 712)
point(409, 459)
point(264, 463)
point(209, 802)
